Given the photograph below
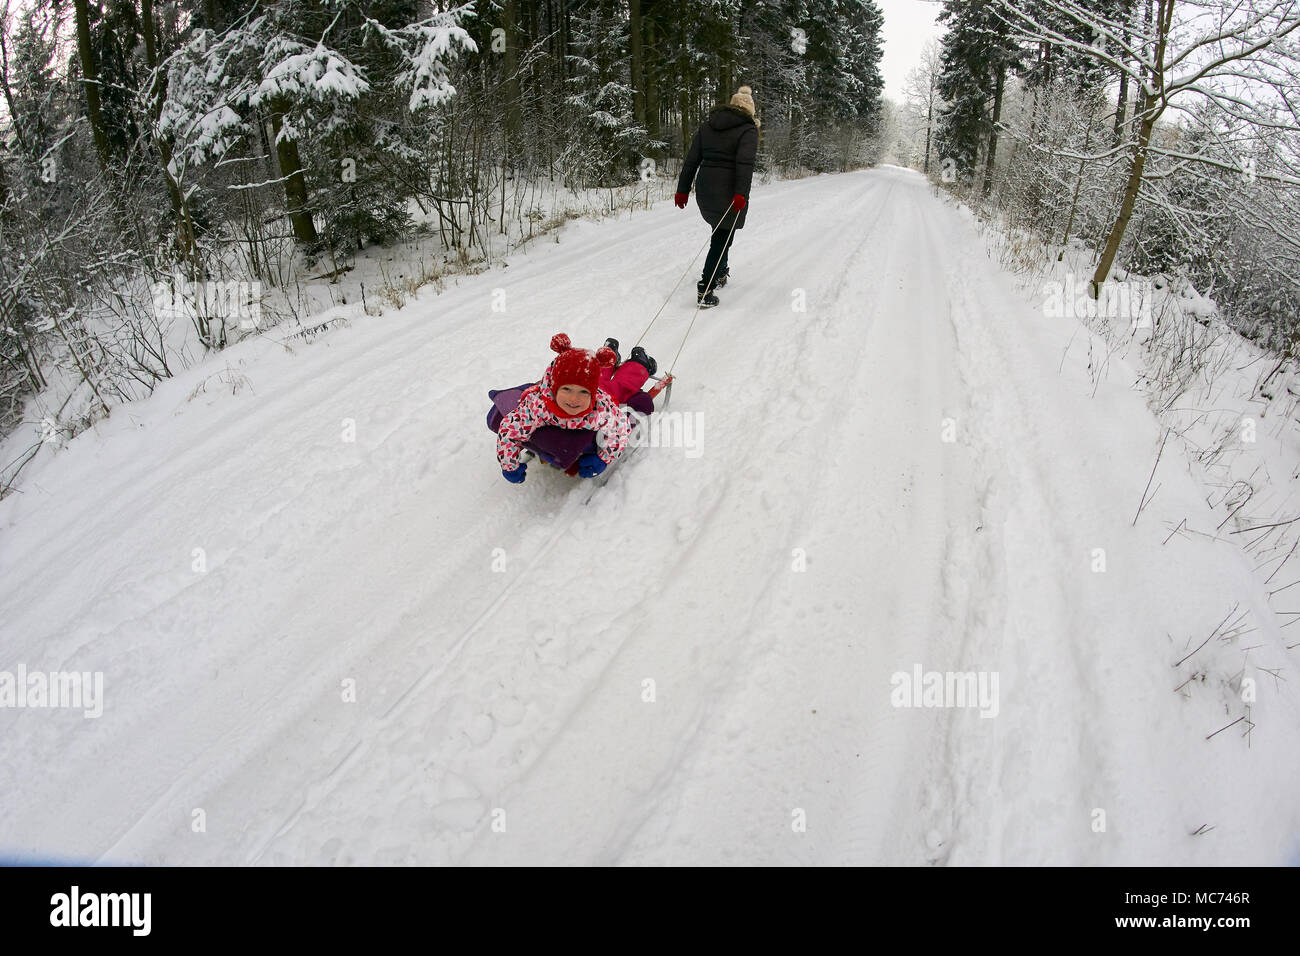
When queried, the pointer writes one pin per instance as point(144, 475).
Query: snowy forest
point(1161, 134)
point(221, 145)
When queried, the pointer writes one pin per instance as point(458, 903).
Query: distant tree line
point(1164, 134)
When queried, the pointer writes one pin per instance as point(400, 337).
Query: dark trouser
point(717, 257)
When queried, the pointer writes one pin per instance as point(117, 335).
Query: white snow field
point(323, 651)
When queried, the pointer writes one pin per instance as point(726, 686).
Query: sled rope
point(671, 292)
point(700, 304)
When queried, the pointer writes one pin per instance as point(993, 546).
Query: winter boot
point(612, 345)
point(638, 355)
point(704, 295)
point(721, 280)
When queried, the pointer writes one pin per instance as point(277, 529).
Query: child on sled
point(581, 389)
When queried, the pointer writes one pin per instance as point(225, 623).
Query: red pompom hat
point(580, 367)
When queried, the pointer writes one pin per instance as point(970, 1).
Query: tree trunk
point(638, 63)
point(929, 122)
point(1121, 105)
point(1044, 84)
point(1150, 109)
point(1078, 184)
point(9, 101)
point(1121, 101)
point(295, 184)
point(683, 91)
point(510, 66)
point(185, 239)
point(932, 93)
point(90, 81)
point(566, 39)
point(1126, 206)
point(993, 129)
point(651, 82)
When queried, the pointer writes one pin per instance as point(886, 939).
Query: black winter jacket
point(723, 152)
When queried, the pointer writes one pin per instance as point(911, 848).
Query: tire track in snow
point(821, 327)
point(323, 788)
point(1023, 621)
point(701, 718)
point(853, 816)
point(973, 577)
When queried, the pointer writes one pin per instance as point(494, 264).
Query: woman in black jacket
point(723, 152)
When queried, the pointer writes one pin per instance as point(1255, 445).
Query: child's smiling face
point(574, 399)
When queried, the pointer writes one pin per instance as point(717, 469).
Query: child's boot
point(638, 355)
point(612, 345)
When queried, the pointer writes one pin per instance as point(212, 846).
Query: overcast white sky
point(908, 24)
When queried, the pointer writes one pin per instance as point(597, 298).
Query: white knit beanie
point(744, 99)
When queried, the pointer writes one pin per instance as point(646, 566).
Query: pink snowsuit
point(623, 382)
point(606, 416)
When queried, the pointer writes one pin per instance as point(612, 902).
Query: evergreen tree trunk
point(566, 39)
point(638, 64)
point(295, 184)
point(90, 81)
point(683, 90)
point(510, 66)
point(652, 106)
point(185, 239)
point(993, 128)
point(1041, 89)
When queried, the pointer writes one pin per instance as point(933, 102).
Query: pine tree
point(977, 56)
point(608, 142)
point(339, 84)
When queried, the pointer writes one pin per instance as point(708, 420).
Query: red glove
point(680, 199)
point(738, 202)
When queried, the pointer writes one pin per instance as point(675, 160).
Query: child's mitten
point(589, 466)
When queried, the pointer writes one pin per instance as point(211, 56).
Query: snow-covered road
point(321, 650)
